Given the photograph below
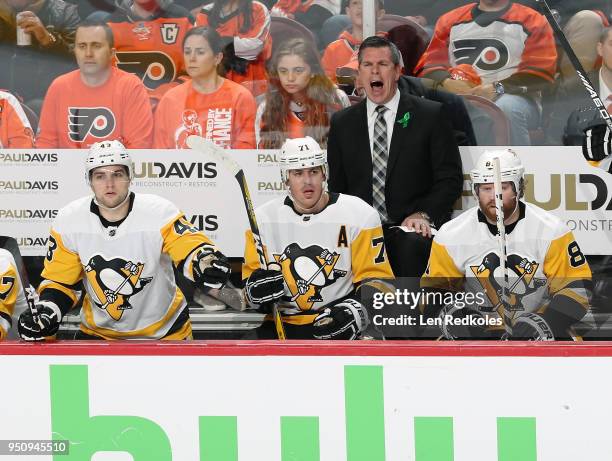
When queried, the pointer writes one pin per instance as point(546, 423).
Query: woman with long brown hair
point(300, 97)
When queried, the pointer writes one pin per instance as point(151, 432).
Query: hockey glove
point(596, 142)
point(531, 327)
point(211, 269)
point(49, 316)
point(344, 320)
point(462, 323)
point(264, 287)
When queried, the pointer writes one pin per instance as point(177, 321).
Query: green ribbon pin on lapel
point(404, 120)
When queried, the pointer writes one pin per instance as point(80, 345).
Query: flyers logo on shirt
point(6, 285)
point(486, 54)
point(307, 271)
point(169, 33)
point(114, 282)
point(154, 68)
point(98, 122)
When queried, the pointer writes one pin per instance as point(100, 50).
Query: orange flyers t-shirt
point(226, 117)
point(76, 116)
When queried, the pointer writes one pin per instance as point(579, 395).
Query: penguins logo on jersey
point(488, 54)
point(6, 285)
point(521, 277)
point(96, 121)
point(114, 282)
point(154, 68)
point(307, 271)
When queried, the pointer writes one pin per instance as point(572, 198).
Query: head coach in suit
point(397, 152)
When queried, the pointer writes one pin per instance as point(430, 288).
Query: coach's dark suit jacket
point(424, 167)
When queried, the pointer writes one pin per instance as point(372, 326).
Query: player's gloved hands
point(531, 327)
point(461, 323)
point(50, 318)
point(264, 287)
point(211, 268)
point(345, 320)
point(596, 143)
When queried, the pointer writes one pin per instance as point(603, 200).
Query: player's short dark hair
point(97, 23)
point(210, 35)
point(604, 34)
point(379, 42)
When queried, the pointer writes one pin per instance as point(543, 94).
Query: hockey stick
point(501, 239)
point(582, 75)
point(10, 244)
point(202, 145)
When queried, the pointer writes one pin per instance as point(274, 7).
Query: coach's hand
point(417, 222)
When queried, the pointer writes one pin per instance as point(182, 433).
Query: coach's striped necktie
point(380, 155)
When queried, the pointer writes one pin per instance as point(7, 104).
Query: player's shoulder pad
point(154, 206)
point(458, 229)
point(6, 260)
point(73, 213)
point(356, 211)
point(551, 227)
point(269, 211)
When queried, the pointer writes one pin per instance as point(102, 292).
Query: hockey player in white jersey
point(323, 250)
point(12, 298)
point(121, 245)
point(548, 276)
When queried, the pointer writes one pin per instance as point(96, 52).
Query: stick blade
point(209, 148)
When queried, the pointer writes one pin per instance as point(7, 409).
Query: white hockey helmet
point(301, 153)
point(511, 169)
point(107, 153)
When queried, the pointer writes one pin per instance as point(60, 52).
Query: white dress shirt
point(390, 116)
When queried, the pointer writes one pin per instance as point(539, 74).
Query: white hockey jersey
point(127, 270)
point(12, 298)
point(544, 259)
point(322, 255)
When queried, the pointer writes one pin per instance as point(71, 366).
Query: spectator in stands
point(97, 101)
point(573, 100)
point(148, 37)
point(311, 13)
point(300, 98)
point(340, 52)
point(245, 25)
point(583, 22)
point(51, 23)
point(15, 129)
point(27, 71)
point(208, 105)
point(510, 46)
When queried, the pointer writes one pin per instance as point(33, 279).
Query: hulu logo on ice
point(145, 440)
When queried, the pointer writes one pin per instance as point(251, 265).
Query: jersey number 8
point(576, 257)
